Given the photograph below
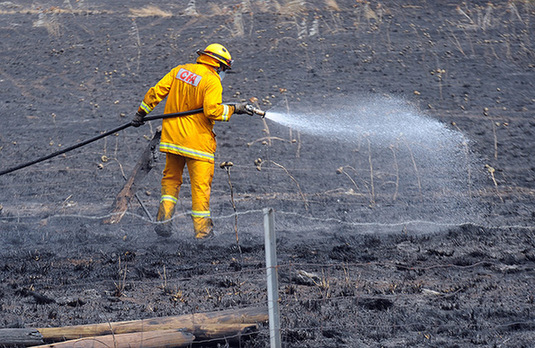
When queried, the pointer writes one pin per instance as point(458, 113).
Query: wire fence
point(336, 291)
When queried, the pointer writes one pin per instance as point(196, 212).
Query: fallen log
point(227, 332)
point(20, 337)
point(188, 321)
point(152, 339)
point(141, 169)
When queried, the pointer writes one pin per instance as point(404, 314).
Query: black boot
point(164, 229)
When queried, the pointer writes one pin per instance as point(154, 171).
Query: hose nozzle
point(255, 110)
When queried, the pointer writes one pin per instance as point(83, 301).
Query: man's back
point(192, 86)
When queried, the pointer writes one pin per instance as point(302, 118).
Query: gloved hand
point(240, 108)
point(138, 120)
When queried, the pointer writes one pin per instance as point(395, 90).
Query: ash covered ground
point(423, 238)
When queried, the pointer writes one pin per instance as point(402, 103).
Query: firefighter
point(190, 141)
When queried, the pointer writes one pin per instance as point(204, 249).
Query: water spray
point(395, 152)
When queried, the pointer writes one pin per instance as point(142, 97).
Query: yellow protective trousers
point(201, 174)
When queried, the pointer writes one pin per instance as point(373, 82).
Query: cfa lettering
point(188, 77)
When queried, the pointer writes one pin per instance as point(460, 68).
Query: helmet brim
point(221, 59)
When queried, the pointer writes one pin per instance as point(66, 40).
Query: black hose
point(124, 126)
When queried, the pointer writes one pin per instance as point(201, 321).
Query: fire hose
point(250, 108)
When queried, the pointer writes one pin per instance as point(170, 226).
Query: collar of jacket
point(213, 69)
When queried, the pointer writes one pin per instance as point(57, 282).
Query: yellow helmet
point(219, 54)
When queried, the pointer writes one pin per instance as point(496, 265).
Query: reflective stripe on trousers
point(201, 174)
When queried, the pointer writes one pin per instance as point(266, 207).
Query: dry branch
point(467, 161)
point(227, 165)
point(495, 139)
point(414, 166)
point(266, 138)
point(153, 339)
point(396, 167)
point(142, 168)
point(372, 186)
point(189, 322)
point(150, 11)
point(296, 183)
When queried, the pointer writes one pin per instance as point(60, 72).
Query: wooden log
point(189, 321)
point(142, 168)
point(228, 332)
point(152, 339)
point(20, 337)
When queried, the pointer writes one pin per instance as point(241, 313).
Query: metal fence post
point(272, 281)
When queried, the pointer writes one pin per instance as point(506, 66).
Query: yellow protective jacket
point(188, 87)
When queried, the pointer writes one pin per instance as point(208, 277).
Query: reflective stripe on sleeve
point(145, 107)
point(226, 112)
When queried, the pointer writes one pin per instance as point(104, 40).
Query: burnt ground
point(408, 263)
